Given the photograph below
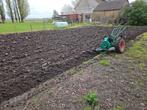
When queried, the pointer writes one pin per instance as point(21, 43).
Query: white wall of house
point(86, 7)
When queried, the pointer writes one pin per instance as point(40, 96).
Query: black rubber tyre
point(120, 48)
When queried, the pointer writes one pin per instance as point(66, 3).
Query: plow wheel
point(120, 48)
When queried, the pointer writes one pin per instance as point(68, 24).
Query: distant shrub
point(50, 20)
point(135, 14)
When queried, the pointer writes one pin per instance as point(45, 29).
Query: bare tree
point(67, 9)
point(55, 14)
point(10, 9)
point(16, 10)
point(75, 2)
point(23, 8)
point(70, 8)
point(2, 11)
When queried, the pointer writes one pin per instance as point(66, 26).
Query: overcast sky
point(44, 8)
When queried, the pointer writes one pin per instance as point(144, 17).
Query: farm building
point(85, 9)
point(108, 11)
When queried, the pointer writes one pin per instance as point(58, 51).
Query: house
point(85, 9)
point(108, 11)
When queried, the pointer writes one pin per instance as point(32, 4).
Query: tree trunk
point(2, 11)
point(22, 20)
point(10, 9)
point(17, 10)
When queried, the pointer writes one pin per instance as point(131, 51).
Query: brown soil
point(119, 86)
point(28, 59)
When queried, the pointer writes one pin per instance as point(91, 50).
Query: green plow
point(114, 41)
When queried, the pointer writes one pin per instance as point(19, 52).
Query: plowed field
point(28, 59)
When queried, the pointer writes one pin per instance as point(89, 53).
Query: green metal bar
point(117, 31)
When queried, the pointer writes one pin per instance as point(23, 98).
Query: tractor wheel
point(120, 48)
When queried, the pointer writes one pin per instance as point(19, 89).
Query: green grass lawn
point(29, 26)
